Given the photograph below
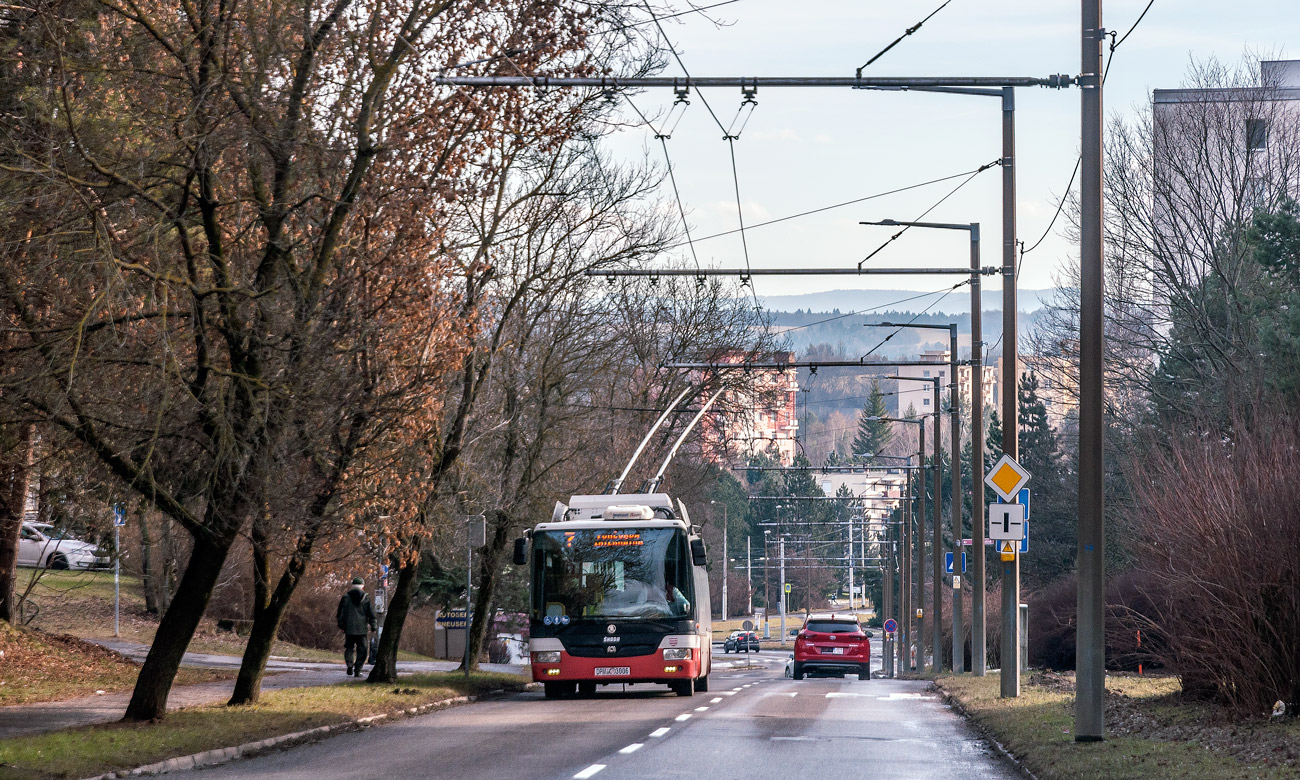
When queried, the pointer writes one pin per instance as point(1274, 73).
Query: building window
point(926, 373)
point(925, 402)
point(1256, 134)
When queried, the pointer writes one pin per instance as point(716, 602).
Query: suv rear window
point(831, 627)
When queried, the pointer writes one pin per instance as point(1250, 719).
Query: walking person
point(356, 618)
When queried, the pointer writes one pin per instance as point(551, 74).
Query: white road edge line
point(683, 717)
point(588, 772)
point(632, 748)
point(660, 732)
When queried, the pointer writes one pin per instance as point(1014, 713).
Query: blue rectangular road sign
point(1023, 498)
point(947, 563)
point(1024, 543)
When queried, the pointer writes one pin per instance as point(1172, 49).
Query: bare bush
point(1222, 526)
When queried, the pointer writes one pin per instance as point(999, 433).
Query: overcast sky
point(803, 149)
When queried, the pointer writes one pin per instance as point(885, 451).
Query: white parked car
point(42, 546)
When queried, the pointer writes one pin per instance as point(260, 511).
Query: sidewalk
point(25, 719)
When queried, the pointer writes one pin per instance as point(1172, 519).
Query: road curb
point(218, 756)
point(952, 701)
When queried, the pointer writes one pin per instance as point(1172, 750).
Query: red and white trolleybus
point(618, 590)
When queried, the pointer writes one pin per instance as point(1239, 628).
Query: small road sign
point(1006, 521)
point(1007, 549)
point(787, 587)
point(947, 563)
point(1024, 543)
point(748, 625)
point(1023, 498)
point(956, 583)
point(1006, 478)
point(891, 625)
point(119, 514)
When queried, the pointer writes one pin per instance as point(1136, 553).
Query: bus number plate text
point(613, 671)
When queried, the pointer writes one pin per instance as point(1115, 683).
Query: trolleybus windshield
point(615, 572)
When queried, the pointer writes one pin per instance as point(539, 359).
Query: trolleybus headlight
point(677, 654)
point(547, 657)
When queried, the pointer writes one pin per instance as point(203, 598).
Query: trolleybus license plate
point(613, 671)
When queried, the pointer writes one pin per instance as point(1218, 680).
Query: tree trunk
point(15, 456)
point(269, 609)
point(489, 570)
point(153, 685)
point(399, 604)
point(147, 579)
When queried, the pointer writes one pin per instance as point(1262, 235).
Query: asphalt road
point(754, 724)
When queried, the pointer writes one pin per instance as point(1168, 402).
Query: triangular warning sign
point(1005, 546)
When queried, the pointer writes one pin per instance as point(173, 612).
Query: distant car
point(789, 666)
point(42, 546)
point(740, 642)
point(831, 644)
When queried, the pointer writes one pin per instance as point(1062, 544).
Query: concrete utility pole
point(1010, 682)
point(781, 545)
point(919, 557)
point(979, 641)
point(1090, 651)
point(749, 574)
point(726, 560)
point(905, 588)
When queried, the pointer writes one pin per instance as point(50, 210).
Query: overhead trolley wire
point(672, 177)
point(914, 319)
point(1114, 44)
point(837, 205)
point(864, 311)
point(731, 142)
point(936, 205)
point(908, 32)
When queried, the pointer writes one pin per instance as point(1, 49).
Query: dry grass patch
point(35, 667)
point(95, 750)
point(1150, 731)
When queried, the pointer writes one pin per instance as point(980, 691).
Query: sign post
point(119, 520)
point(475, 535)
point(1008, 479)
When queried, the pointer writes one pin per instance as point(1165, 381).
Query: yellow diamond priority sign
point(1006, 478)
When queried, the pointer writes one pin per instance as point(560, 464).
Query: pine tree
point(873, 434)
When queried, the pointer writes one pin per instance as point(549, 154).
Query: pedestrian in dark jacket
point(356, 617)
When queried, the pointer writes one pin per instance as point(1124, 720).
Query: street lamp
point(979, 649)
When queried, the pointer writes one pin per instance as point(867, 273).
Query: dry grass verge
point(1151, 731)
point(94, 750)
point(36, 667)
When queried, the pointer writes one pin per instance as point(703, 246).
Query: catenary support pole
point(979, 639)
point(781, 594)
point(954, 504)
point(1010, 676)
point(936, 543)
point(905, 588)
point(726, 562)
point(1090, 650)
point(918, 599)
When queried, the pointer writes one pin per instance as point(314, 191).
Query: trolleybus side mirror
point(521, 551)
point(698, 556)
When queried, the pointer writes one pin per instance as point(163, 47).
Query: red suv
point(832, 644)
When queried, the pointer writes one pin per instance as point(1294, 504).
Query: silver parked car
point(42, 546)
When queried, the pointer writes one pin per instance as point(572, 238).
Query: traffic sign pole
point(119, 520)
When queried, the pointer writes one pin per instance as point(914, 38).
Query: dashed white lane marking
point(902, 696)
point(588, 772)
point(632, 748)
point(733, 690)
point(841, 695)
point(715, 700)
point(791, 695)
point(701, 709)
point(683, 717)
point(660, 732)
